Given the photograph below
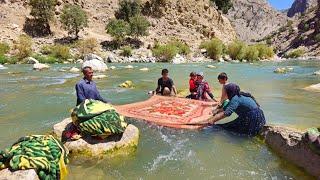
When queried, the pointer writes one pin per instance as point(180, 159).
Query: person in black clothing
point(165, 85)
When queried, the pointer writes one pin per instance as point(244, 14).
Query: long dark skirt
point(249, 123)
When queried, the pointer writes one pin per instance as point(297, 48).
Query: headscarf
point(234, 90)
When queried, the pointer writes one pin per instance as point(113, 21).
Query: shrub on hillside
point(214, 48)
point(118, 29)
point(181, 46)
point(61, 52)
point(87, 46)
point(237, 50)
point(138, 26)
point(317, 38)
point(73, 19)
point(4, 48)
point(265, 52)
point(23, 47)
point(252, 53)
point(165, 53)
point(126, 51)
point(295, 53)
point(128, 9)
point(223, 5)
point(3, 59)
point(46, 59)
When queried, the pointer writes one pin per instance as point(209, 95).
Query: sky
point(281, 4)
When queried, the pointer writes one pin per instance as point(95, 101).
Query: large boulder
point(292, 145)
point(6, 174)
point(31, 60)
point(89, 147)
point(40, 66)
point(178, 59)
point(96, 65)
point(89, 57)
point(317, 73)
point(314, 87)
point(3, 67)
point(74, 70)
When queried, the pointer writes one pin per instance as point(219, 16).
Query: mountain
point(255, 19)
point(300, 6)
point(190, 20)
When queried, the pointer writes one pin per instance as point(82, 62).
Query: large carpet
point(169, 111)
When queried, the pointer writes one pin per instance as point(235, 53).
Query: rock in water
point(31, 60)
point(211, 66)
point(74, 70)
point(39, 66)
point(178, 59)
point(90, 147)
point(144, 69)
point(283, 70)
point(112, 67)
point(89, 57)
point(3, 67)
point(79, 61)
point(129, 67)
point(99, 76)
point(314, 87)
point(317, 73)
point(127, 84)
point(22, 174)
point(96, 65)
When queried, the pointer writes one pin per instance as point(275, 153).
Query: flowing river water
point(32, 102)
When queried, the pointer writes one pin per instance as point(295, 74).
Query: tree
point(118, 29)
point(139, 26)
point(128, 9)
point(73, 19)
point(214, 48)
point(223, 5)
point(23, 47)
point(43, 13)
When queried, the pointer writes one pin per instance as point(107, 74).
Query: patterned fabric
point(43, 153)
point(95, 118)
point(169, 111)
point(203, 88)
point(249, 123)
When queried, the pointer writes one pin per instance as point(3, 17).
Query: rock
point(244, 61)
point(178, 59)
point(79, 61)
point(31, 60)
point(283, 70)
point(144, 69)
point(111, 58)
point(129, 67)
point(317, 73)
point(314, 87)
point(114, 145)
point(90, 57)
point(96, 65)
point(292, 145)
point(6, 174)
point(112, 67)
point(211, 66)
point(99, 76)
point(74, 70)
point(66, 62)
point(3, 67)
point(39, 66)
point(127, 84)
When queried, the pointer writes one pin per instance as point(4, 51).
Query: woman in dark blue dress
point(250, 117)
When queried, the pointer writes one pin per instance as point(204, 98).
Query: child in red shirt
point(193, 86)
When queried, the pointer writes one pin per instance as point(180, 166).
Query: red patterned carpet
point(169, 111)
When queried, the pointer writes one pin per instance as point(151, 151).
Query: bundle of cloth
point(95, 118)
point(43, 153)
point(313, 137)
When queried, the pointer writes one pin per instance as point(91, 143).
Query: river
point(32, 102)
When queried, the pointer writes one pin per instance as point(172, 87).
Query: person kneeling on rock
point(87, 89)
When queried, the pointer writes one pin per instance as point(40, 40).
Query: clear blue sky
point(281, 4)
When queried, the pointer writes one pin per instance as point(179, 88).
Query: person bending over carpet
point(203, 89)
point(165, 85)
point(87, 89)
point(250, 117)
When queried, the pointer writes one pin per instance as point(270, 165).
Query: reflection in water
point(31, 102)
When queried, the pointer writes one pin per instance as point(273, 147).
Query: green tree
point(73, 19)
point(23, 47)
point(4, 48)
point(139, 26)
point(118, 29)
point(223, 5)
point(237, 50)
point(128, 9)
point(214, 48)
point(252, 53)
point(42, 11)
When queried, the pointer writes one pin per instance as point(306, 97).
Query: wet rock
point(74, 70)
point(6, 174)
point(79, 61)
point(114, 145)
point(127, 84)
point(96, 65)
point(89, 57)
point(144, 69)
point(112, 67)
point(314, 87)
point(40, 66)
point(129, 67)
point(317, 73)
point(292, 145)
point(3, 67)
point(99, 76)
point(211, 66)
point(31, 60)
point(283, 70)
point(178, 59)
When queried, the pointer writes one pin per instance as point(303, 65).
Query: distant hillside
point(300, 6)
point(255, 19)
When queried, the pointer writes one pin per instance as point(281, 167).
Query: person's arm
point(223, 95)
point(80, 93)
point(174, 90)
point(158, 87)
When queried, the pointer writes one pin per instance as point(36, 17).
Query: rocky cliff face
point(255, 19)
point(300, 6)
point(190, 20)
